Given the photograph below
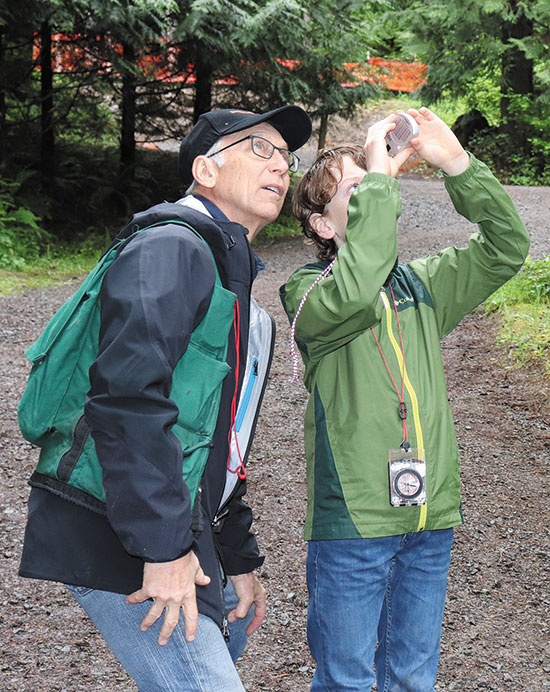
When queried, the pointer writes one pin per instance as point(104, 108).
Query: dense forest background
point(87, 87)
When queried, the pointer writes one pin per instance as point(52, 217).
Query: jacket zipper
point(247, 394)
point(414, 401)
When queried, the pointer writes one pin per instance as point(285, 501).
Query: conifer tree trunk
point(323, 128)
point(203, 84)
point(2, 104)
point(128, 125)
point(47, 133)
point(517, 75)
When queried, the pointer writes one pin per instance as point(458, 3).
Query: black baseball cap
point(292, 122)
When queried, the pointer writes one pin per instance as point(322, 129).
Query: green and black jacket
point(155, 376)
point(352, 417)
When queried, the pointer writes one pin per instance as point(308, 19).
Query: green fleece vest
point(51, 411)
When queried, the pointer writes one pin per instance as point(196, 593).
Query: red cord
point(402, 407)
point(241, 468)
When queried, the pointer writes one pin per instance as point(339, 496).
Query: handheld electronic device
point(405, 128)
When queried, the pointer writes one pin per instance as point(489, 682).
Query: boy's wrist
point(457, 165)
point(384, 180)
point(376, 175)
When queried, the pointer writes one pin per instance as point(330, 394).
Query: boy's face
point(333, 221)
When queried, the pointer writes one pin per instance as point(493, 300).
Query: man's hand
point(171, 585)
point(437, 144)
point(249, 591)
point(378, 159)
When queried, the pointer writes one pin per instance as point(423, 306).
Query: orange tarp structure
point(393, 75)
point(70, 55)
point(389, 74)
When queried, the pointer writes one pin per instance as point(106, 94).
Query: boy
point(383, 466)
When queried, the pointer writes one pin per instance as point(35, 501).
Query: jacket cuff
point(242, 565)
point(171, 559)
point(464, 177)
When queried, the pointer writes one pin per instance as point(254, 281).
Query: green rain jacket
point(352, 419)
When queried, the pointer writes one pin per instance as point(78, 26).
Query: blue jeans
point(204, 665)
point(377, 602)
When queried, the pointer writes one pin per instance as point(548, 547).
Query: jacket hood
point(220, 235)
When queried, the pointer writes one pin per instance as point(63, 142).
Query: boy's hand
point(378, 159)
point(437, 144)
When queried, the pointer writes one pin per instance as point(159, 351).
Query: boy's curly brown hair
point(318, 187)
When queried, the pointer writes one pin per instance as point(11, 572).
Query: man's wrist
point(166, 560)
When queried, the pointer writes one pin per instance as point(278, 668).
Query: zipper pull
point(231, 242)
point(217, 519)
point(225, 629)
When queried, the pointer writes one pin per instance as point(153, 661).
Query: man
point(383, 463)
point(137, 505)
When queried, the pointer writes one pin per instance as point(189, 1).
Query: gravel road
point(496, 632)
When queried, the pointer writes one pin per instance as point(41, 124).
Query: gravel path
point(496, 633)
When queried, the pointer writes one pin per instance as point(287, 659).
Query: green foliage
point(483, 95)
point(512, 166)
point(523, 304)
point(517, 165)
point(537, 48)
point(535, 280)
point(86, 120)
point(525, 330)
point(61, 263)
point(284, 227)
point(93, 196)
point(21, 237)
point(248, 38)
point(447, 108)
point(463, 43)
point(495, 56)
point(530, 286)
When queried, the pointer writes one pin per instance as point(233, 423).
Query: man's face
point(335, 214)
point(251, 190)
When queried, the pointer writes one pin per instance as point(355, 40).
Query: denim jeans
point(204, 665)
point(377, 602)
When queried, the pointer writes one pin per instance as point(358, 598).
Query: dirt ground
point(496, 631)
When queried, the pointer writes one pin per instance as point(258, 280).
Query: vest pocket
point(196, 389)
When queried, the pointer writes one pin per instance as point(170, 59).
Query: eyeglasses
point(264, 149)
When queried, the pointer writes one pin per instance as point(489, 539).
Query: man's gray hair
point(219, 160)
